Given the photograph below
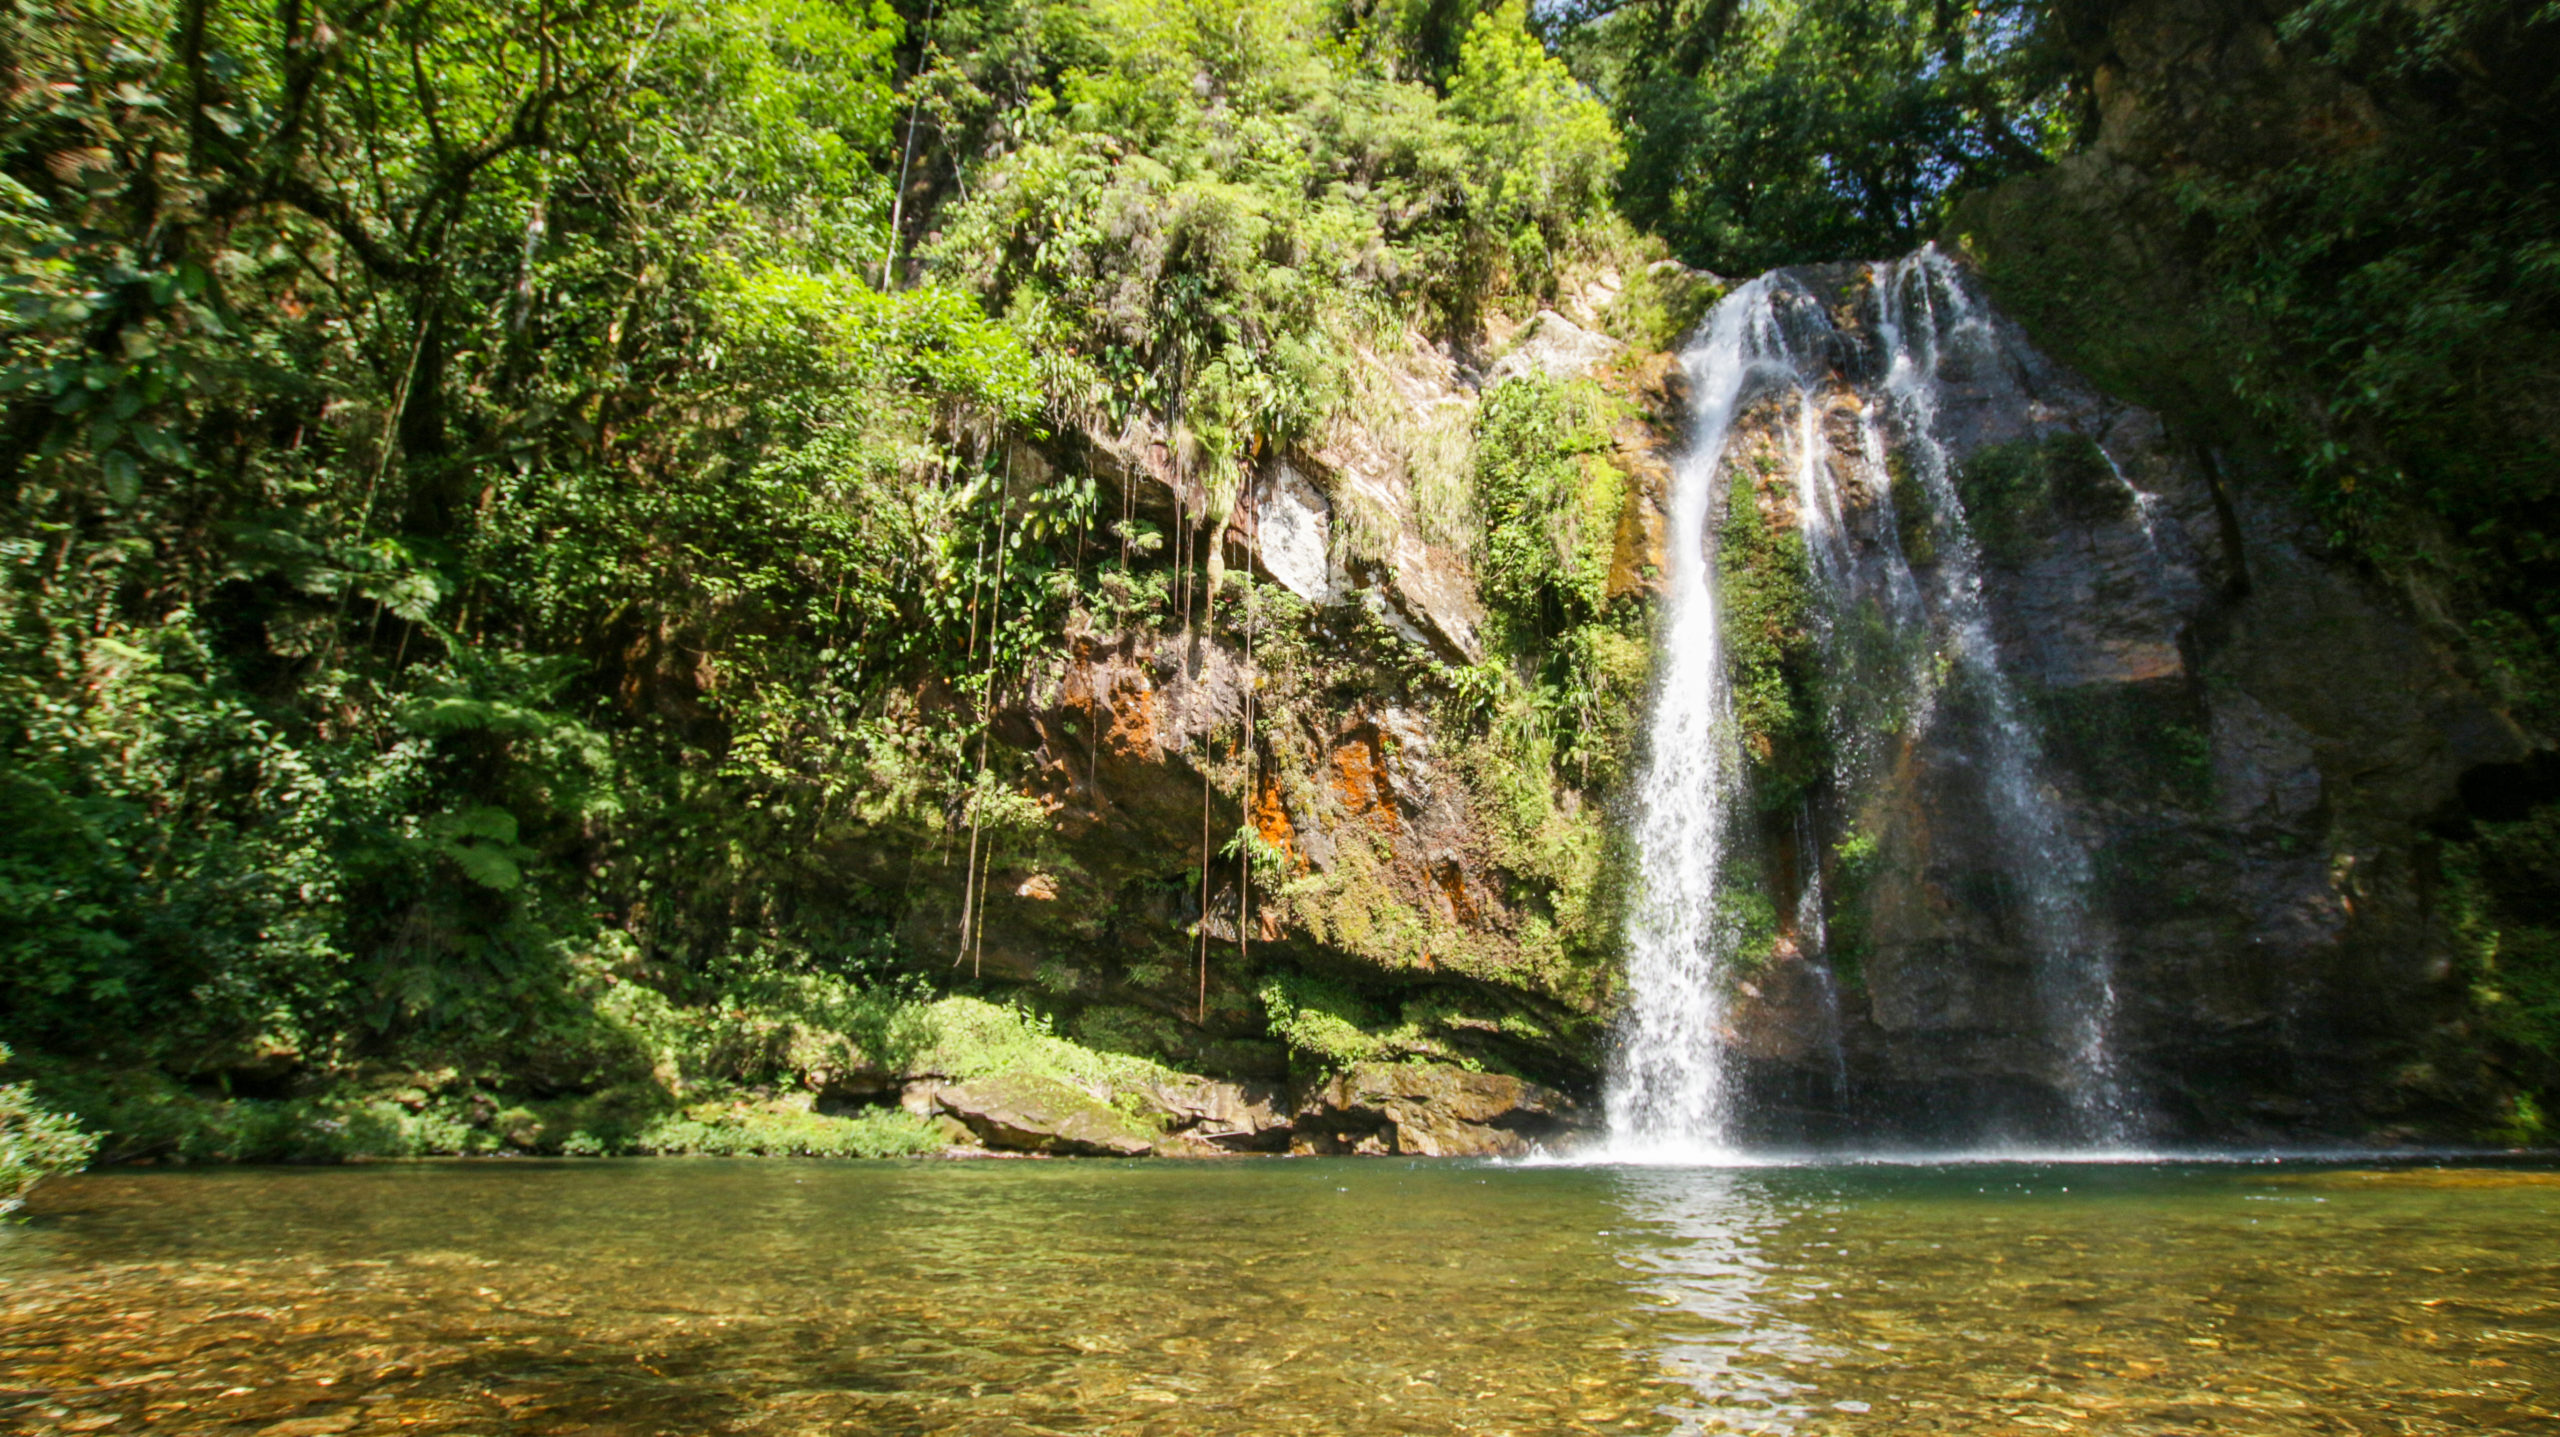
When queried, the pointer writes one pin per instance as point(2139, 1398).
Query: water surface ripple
point(1297, 1297)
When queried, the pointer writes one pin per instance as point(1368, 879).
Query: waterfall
point(1671, 1089)
point(1668, 1090)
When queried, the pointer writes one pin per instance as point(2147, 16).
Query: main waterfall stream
point(1672, 1087)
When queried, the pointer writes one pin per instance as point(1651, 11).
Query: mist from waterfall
point(1671, 1092)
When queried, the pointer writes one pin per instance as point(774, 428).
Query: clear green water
point(1292, 1297)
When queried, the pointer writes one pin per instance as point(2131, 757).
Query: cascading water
point(1670, 1093)
point(1924, 313)
point(1667, 1095)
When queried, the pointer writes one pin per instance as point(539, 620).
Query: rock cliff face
point(2289, 936)
point(1417, 893)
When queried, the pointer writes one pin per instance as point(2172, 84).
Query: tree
point(1802, 130)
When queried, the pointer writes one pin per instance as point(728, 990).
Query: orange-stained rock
point(1360, 776)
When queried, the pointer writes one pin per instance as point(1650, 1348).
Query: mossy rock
point(1661, 304)
point(1025, 1112)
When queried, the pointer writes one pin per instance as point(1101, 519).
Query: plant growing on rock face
point(1550, 499)
point(2506, 924)
point(35, 1142)
point(1320, 1021)
point(1329, 1028)
point(1767, 581)
point(767, 1130)
point(2013, 491)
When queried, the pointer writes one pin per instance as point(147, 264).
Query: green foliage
point(35, 1142)
point(1544, 150)
point(1550, 498)
point(1807, 130)
point(1660, 305)
point(1321, 1021)
point(971, 1038)
point(2407, 291)
point(145, 1114)
point(1270, 863)
point(2013, 491)
point(1750, 917)
point(1206, 203)
point(1550, 503)
point(2525, 1126)
point(775, 1131)
point(1771, 646)
point(1328, 1027)
point(2499, 899)
point(1856, 861)
point(496, 515)
point(468, 513)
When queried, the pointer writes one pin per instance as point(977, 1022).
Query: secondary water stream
point(1308, 1297)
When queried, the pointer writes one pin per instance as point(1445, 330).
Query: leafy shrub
point(1544, 150)
point(1320, 1020)
point(146, 1115)
point(765, 1130)
point(35, 1142)
point(2505, 917)
point(972, 1038)
point(1660, 305)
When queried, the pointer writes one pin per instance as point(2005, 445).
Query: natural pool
point(1294, 1297)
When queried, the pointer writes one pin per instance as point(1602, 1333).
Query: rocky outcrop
point(1024, 1112)
point(1225, 1117)
point(1415, 1109)
point(1552, 346)
point(1382, 871)
point(1431, 1111)
point(2290, 933)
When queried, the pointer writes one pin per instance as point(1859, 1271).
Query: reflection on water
point(1697, 1238)
point(1302, 1297)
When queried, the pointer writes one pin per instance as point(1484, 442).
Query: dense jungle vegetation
point(500, 490)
